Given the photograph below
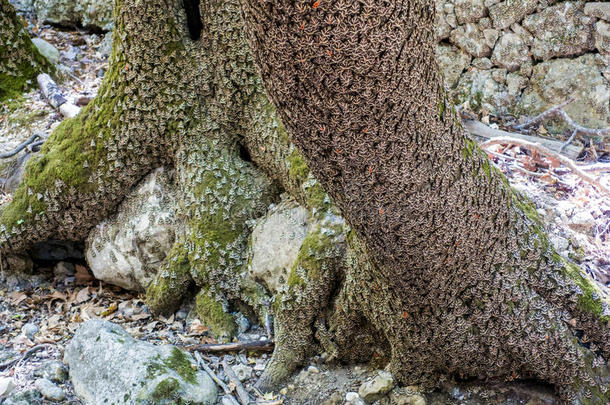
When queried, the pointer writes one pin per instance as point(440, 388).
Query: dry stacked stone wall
point(522, 56)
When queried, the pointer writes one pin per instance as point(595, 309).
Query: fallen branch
point(558, 111)
point(256, 345)
point(547, 152)
point(55, 97)
point(479, 129)
point(242, 394)
point(24, 356)
point(21, 146)
point(217, 380)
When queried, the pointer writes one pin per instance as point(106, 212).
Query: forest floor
point(577, 216)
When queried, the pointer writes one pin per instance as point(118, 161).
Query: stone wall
point(522, 56)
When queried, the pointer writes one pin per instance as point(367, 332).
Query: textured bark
point(463, 280)
point(20, 61)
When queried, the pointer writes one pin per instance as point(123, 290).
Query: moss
point(317, 247)
point(171, 283)
point(213, 315)
point(179, 362)
point(470, 146)
point(591, 298)
point(166, 389)
point(298, 170)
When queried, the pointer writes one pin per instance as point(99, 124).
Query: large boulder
point(452, 62)
point(91, 14)
point(127, 249)
point(108, 366)
point(510, 52)
point(557, 80)
point(275, 243)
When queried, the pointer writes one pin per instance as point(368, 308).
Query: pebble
point(242, 371)
point(259, 367)
point(313, 370)
point(351, 396)
point(376, 388)
point(30, 330)
point(64, 269)
point(49, 390)
point(53, 370)
point(6, 386)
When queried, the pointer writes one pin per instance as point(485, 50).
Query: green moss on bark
point(212, 314)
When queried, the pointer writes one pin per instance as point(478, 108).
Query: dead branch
point(547, 152)
point(242, 394)
point(479, 129)
point(22, 146)
point(24, 356)
point(558, 111)
point(217, 380)
point(257, 345)
point(54, 96)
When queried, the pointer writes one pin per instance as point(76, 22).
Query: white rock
point(49, 390)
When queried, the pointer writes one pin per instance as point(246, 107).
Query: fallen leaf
point(17, 297)
point(111, 309)
point(83, 295)
point(82, 275)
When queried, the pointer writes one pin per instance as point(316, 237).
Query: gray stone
point(582, 222)
point(28, 397)
point(470, 39)
point(275, 243)
point(508, 12)
point(510, 52)
point(53, 370)
point(46, 49)
point(128, 249)
point(49, 390)
point(557, 80)
point(335, 399)
point(93, 14)
point(376, 388)
point(515, 83)
point(7, 385)
point(242, 371)
point(468, 11)
point(482, 63)
point(452, 63)
point(598, 10)
point(29, 330)
point(478, 90)
point(559, 31)
point(108, 366)
point(64, 269)
point(602, 37)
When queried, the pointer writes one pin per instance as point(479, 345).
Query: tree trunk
point(20, 60)
point(461, 282)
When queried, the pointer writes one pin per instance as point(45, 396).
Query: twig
point(257, 345)
point(21, 146)
point(24, 356)
point(569, 141)
point(481, 130)
point(558, 111)
point(242, 394)
point(214, 377)
point(547, 152)
point(598, 167)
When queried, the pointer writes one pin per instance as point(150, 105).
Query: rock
point(452, 63)
point(408, 399)
point(559, 31)
point(28, 397)
point(510, 52)
point(602, 37)
point(506, 13)
point(482, 63)
point(376, 388)
point(91, 14)
point(515, 83)
point(335, 399)
point(6, 386)
point(242, 372)
point(128, 249)
point(29, 330)
point(105, 46)
point(470, 39)
point(468, 11)
point(275, 243)
point(108, 366)
point(557, 80)
point(55, 250)
point(64, 269)
point(598, 10)
point(313, 370)
point(53, 370)
point(49, 390)
point(46, 49)
point(480, 91)
point(16, 273)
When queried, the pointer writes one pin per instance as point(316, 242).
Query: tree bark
point(447, 274)
point(20, 60)
point(462, 277)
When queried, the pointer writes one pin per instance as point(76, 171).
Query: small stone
point(351, 396)
point(53, 370)
point(46, 49)
point(6, 386)
point(29, 330)
point(376, 388)
point(409, 400)
point(49, 390)
point(284, 391)
point(335, 399)
point(242, 371)
point(313, 370)
point(64, 269)
point(83, 101)
point(582, 222)
point(259, 367)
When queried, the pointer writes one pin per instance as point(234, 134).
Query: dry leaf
point(17, 297)
point(82, 275)
point(111, 309)
point(83, 295)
